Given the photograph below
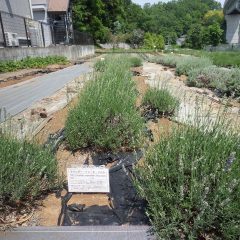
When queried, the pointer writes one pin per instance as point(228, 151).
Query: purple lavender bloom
point(230, 161)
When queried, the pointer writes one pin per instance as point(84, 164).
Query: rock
point(39, 112)
point(43, 114)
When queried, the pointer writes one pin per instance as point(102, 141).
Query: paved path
point(18, 97)
point(80, 233)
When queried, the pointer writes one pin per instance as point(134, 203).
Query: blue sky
point(141, 2)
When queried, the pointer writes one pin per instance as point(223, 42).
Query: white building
point(232, 16)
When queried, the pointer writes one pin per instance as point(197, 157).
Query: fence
point(82, 38)
point(224, 47)
point(19, 31)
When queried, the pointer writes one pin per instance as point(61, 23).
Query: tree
point(171, 20)
point(213, 16)
point(212, 34)
point(136, 38)
point(194, 37)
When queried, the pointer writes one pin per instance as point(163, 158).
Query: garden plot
point(194, 102)
point(176, 168)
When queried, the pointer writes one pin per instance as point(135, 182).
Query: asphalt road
point(18, 97)
point(80, 233)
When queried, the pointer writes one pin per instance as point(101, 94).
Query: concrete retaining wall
point(71, 52)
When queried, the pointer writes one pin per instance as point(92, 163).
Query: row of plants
point(105, 116)
point(31, 62)
point(202, 73)
point(191, 182)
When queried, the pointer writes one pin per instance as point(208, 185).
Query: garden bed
point(95, 209)
point(201, 73)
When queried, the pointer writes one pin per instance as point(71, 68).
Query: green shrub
point(187, 64)
point(161, 99)
point(26, 170)
point(135, 61)
point(191, 182)
point(36, 62)
point(105, 116)
point(153, 41)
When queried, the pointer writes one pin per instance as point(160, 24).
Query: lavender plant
point(191, 182)
point(26, 169)
point(161, 100)
point(224, 81)
point(186, 64)
point(105, 116)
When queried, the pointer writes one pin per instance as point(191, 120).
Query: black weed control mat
point(126, 206)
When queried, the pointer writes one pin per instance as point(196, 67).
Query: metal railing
point(19, 31)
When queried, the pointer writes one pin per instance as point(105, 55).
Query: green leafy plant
point(191, 182)
point(36, 62)
point(105, 116)
point(153, 41)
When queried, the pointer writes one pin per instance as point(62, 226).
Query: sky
point(141, 2)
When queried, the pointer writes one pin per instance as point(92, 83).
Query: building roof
point(58, 5)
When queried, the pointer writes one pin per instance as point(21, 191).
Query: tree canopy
point(102, 18)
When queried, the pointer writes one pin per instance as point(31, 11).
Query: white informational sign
point(87, 179)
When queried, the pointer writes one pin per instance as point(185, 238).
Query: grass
point(160, 100)
point(36, 62)
point(222, 59)
point(191, 182)
point(105, 116)
point(26, 170)
point(225, 59)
